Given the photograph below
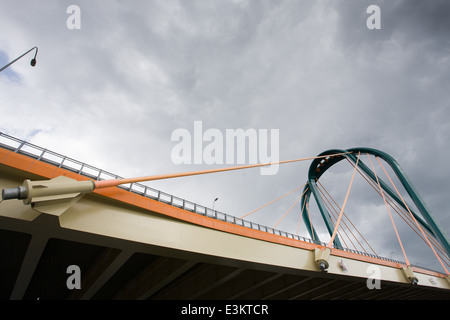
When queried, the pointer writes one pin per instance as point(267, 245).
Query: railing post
point(19, 147)
point(81, 169)
point(42, 154)
point(61, 163)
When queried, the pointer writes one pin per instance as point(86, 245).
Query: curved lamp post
point(32, 62)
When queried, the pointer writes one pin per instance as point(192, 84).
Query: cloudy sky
point(112, 93)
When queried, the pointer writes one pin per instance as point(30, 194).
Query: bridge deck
point(128, 246)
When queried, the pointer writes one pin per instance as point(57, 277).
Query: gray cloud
point(111, 93)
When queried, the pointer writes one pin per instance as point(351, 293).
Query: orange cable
point(420, 228)
point(393, 204)
point(344, 215)
point(343, 221)
point(350, 230)
point(301, 215)
point(402, 213)
point(333, 216)
point(115, 182)
point(343, 206)
point(310, 221)
point(390, 215)
point(272, 201)
point(289, 209)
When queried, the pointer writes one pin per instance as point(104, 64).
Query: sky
point(112, 92)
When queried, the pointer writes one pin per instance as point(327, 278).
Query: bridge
point(129, 241)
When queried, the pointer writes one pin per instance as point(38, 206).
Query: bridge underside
point(129, 247)
point(38, 254)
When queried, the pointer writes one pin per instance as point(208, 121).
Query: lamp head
point(33, 61)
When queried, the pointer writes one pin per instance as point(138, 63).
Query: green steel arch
point(319, 166)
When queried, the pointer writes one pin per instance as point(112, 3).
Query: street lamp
point(32, 62)
point(214, 202)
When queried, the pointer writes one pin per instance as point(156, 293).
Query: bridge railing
point(25, 148)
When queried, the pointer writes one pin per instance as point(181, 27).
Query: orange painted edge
point(45, 170)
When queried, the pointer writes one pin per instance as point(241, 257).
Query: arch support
point(319, 166)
